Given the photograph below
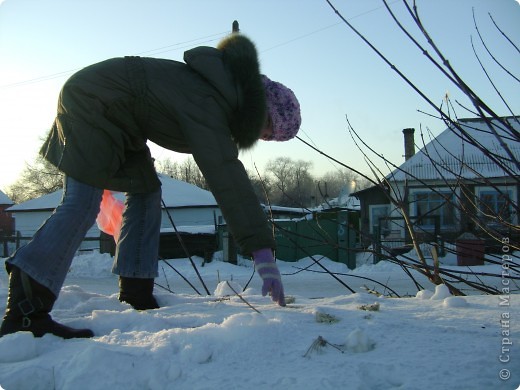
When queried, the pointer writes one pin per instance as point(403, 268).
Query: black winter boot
point(137, 292)
point(28, 307)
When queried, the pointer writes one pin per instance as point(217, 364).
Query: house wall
point(191, 217)
point(466, 195)
point(466, 201)
point(466, 209)
point(28, 222)
point(440, 188)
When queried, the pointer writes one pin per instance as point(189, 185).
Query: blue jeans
point(47, 257)
point(137, 250)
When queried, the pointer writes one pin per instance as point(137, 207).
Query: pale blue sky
point(301, 43)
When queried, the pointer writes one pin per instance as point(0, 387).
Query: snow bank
point(327, 338)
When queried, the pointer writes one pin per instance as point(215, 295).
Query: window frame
point(496, 191)
point(372, 218)
point(414, 212)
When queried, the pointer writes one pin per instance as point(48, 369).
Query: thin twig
point(242, 298)
point(182, 276)
point(181, 241)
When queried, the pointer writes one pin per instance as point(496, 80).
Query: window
point(378, 211)
point(429, 206)
point(495, 203)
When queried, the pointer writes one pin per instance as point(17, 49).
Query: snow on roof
point(4, 199)
point(197, 229)
point(285, 209)
point(455, 157)
point(175, 194)
point(45, 202)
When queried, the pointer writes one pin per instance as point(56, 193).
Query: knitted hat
point(284, 109)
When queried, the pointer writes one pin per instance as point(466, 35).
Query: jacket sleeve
point(216, 155)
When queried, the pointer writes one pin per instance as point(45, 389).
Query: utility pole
point(234, 27)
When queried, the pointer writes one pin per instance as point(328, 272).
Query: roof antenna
point(234, 27)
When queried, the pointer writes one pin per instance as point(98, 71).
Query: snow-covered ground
point(327, 338)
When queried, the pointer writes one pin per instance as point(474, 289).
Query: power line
point(159, 50)
point(327, 27)
point(185, 45)
point(173, 47)
point(38, 79)
point(335, 166)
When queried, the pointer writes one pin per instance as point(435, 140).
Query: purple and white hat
point(284, 109)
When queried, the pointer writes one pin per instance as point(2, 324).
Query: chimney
point(409, 143)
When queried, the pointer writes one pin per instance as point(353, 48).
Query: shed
point(6, 220)
point(193, 210)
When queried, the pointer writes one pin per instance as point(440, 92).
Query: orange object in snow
point(110, 215)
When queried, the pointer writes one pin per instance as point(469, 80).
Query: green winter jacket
point(210, 106)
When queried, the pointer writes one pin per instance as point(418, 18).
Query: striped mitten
point(268, 271)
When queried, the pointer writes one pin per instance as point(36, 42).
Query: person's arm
point(217, 157)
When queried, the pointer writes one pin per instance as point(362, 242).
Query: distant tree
point(40, 177)
point(291, 182)
point(37, 179)
point(262, 186)
point(301, 184)
point(168, 167)
point(186, 170)
point(280, 171)
point(335, 181)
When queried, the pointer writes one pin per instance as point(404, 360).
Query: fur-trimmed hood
point(238, 56)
